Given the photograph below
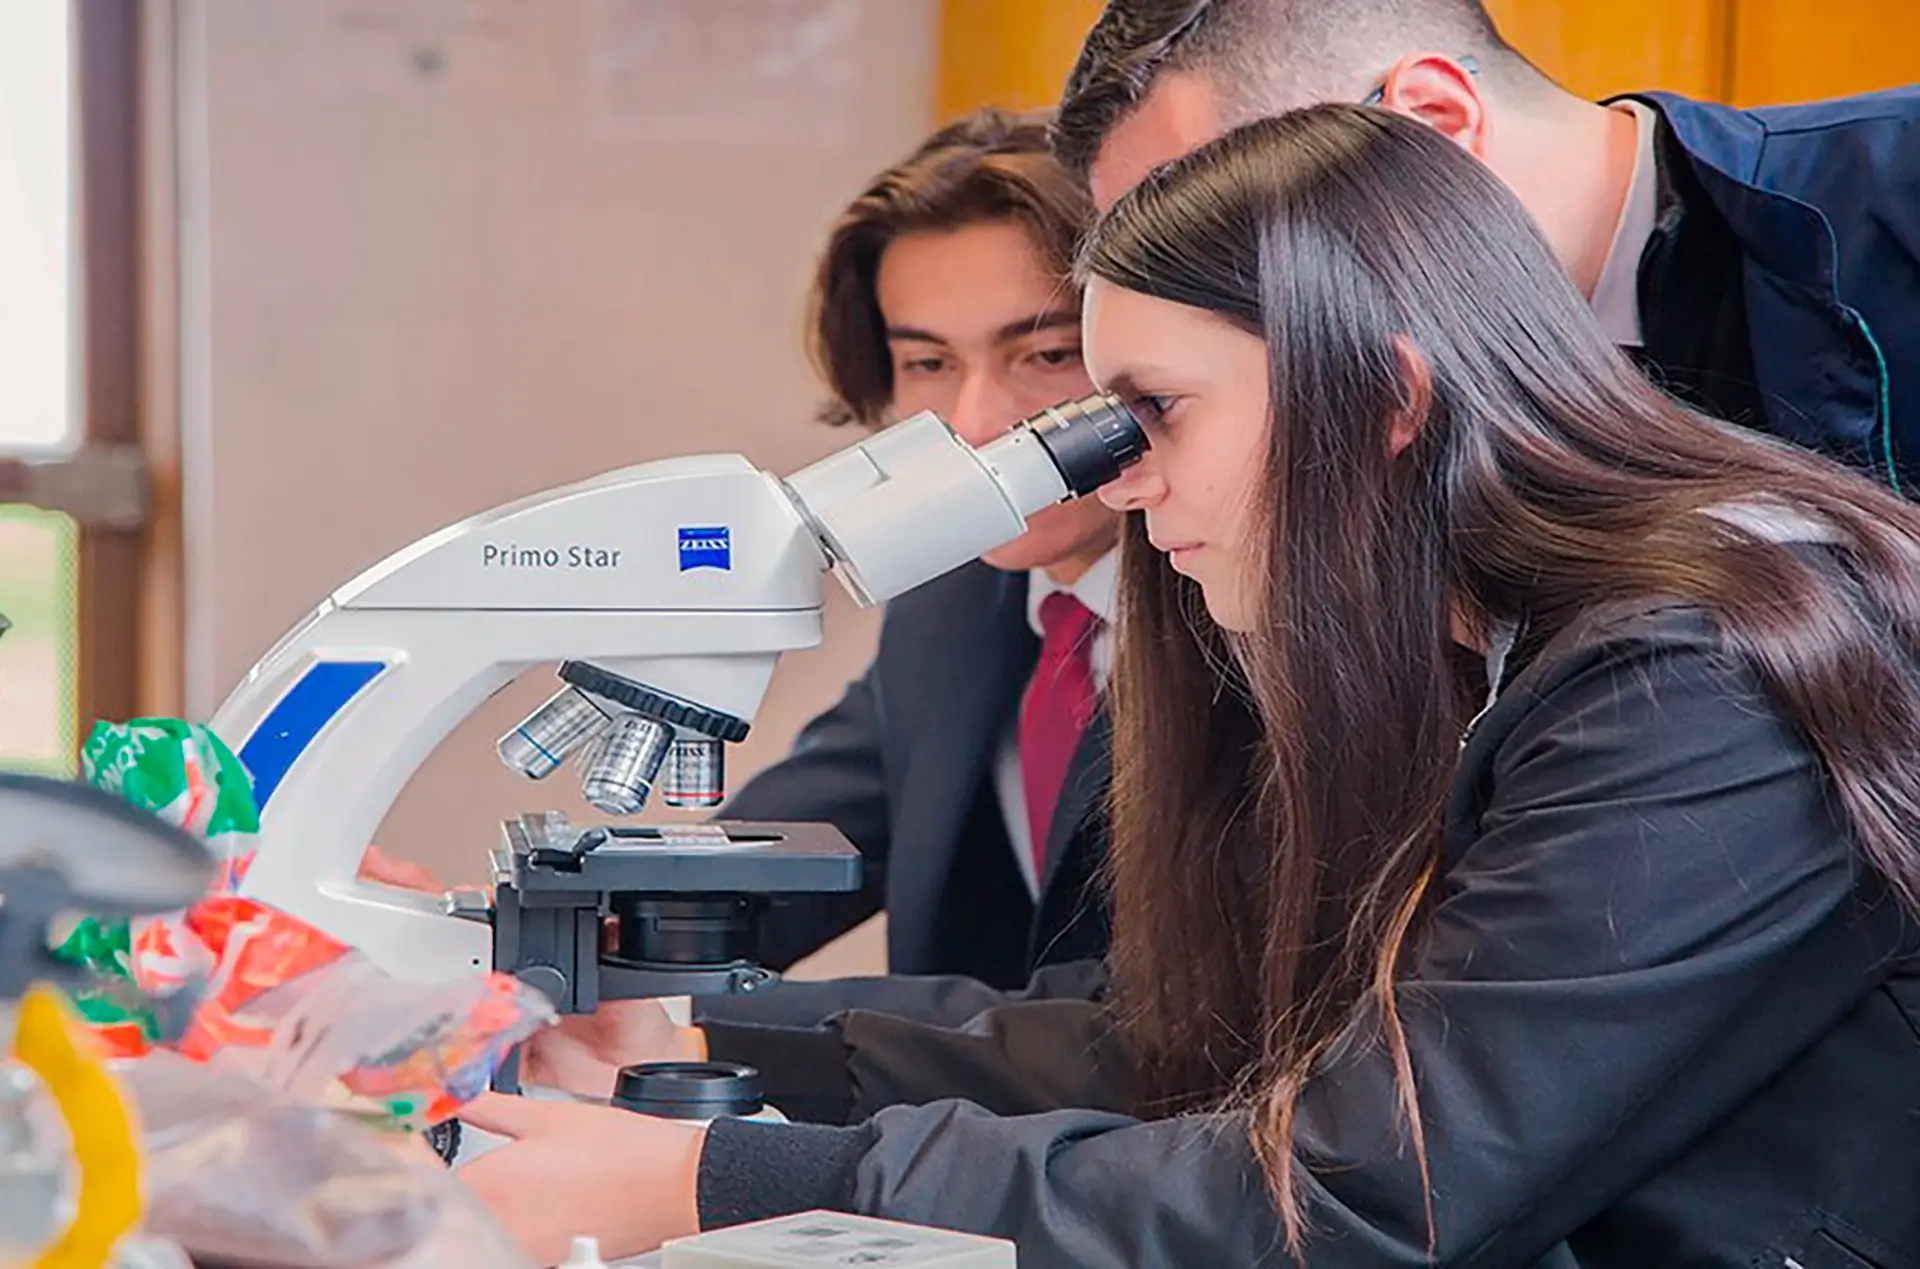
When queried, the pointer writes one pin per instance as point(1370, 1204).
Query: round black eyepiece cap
point(1091, 440)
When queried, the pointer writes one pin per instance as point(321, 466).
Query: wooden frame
point(106, 80)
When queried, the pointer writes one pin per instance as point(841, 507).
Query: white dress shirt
point(1616, 296)
point(1097, 588)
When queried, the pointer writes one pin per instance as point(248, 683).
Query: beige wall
point(436, 254)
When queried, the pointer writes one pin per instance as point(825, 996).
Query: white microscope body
point(690, 576)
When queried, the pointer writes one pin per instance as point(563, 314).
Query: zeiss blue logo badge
point(706, 548)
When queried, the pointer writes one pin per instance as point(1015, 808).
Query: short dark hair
point(1266, 56)
point(991, 165)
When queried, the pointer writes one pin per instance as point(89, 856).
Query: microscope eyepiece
point(1091, 440)
point(915, 500)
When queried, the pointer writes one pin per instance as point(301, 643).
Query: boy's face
point(984, 332)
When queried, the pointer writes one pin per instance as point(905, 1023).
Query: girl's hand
point(584, 1053)
point(570, 1168)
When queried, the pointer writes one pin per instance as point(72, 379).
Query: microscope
point(666, 592)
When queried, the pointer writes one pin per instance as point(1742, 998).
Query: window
point(39, 415)
point(36, 228)
point(73, 508)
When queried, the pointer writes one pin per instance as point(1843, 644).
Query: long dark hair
point(986, 166)
point(1279, 794)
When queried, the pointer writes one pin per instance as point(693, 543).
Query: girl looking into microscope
point(1600, 953)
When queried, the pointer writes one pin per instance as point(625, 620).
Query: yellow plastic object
point(98, 1124)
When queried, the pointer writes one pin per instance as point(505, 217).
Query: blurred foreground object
point(298, 1009)
point(67, 849)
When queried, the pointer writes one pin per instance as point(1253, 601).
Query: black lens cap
point(689, 1090)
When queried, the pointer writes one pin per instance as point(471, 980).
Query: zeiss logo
point(706, 548)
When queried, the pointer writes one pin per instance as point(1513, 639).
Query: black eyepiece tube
point(1091, 440)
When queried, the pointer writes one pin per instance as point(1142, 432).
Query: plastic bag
point(316, 1012)
point(124, 1024)
point(311, 1010)
point(186, 776)
point(416, 1053)
point(149, 1253)
point(238, 1174)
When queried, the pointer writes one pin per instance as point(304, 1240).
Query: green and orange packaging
point(426, 1050)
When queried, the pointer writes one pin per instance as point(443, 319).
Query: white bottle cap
point(585, 1254)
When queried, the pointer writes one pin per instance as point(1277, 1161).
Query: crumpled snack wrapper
point(295, 1006)
point(186, 776)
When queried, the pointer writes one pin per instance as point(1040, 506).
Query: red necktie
point(1059, 702)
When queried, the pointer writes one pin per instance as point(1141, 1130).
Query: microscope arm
point(337, 718)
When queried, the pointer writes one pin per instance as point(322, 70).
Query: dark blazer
point(903, 765)
point(1823, 202)
point(1661, 1016)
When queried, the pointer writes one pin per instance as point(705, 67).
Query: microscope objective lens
point(623, 768)
point(696, 773)
point(538, 746)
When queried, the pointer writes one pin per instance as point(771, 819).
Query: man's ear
point(1416, 396)
point(1441, 93)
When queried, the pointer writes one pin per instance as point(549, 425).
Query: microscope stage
point(547, 856)
point(623, 911)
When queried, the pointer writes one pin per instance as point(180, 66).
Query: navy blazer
point(1824, 200)
point(903, 765)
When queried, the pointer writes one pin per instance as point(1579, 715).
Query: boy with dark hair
point(1760, 264)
